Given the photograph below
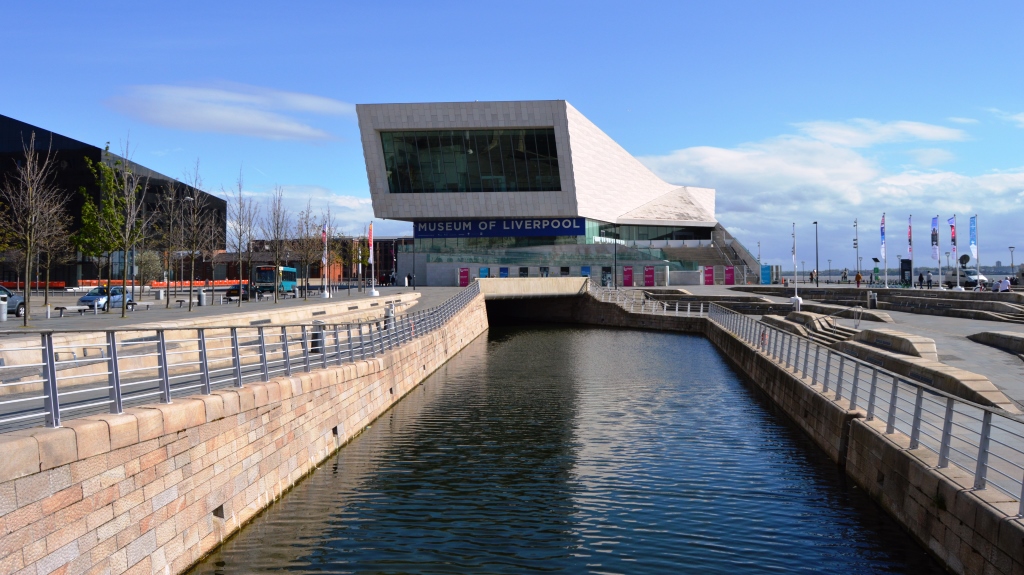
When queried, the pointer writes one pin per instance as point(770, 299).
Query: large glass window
point(471, 161)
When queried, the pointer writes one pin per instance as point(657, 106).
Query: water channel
point(565, 450)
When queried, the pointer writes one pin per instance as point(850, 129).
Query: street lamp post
point(829, 271)
point(816, 262)
point(1012, 269)
point(803, 269)
point(856, 244)
point(899, 258)
point(759, 252)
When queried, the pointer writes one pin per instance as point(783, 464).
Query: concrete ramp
point(520, 288)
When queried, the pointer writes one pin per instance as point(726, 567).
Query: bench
point(81, 309)
point(182, 302)
point(143, 304)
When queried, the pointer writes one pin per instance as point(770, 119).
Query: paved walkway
point(1003, 369)
point(429, 297)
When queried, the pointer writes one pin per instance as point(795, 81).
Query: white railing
point(635, 301)
point(72, 373)
point(984, 441)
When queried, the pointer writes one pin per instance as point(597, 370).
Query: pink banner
point(709, 276)
point(730, 275)
point(648, 276)
point(463, 277)
point(627, 276)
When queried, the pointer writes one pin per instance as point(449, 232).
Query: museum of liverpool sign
point(514, 227)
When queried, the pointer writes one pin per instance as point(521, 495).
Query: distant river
point(568, 450)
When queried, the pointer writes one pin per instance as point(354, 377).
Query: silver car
point(98, 298)
point(15, 303)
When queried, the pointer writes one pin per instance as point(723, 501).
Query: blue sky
point(794, 111)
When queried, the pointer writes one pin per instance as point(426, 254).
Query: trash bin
point(3, 307)
point(159, 295)
point(202, 297)
point(872, 300)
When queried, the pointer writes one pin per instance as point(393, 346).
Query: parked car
point(969, 278)
point(98, 298)
point(15, 303)
point(248, 291)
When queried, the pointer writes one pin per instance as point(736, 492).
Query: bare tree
point(134, 220)
point(198, 235)
point(243, 214)
point(169, 233)
point(29, 195)
point(54, 243)
point(308, 240)
point(275, 225)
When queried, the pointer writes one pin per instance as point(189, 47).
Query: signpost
point(730, 275)
point(627, 276)
point(463, 277)
point(648, 276)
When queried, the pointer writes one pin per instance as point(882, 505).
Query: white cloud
point(764, 186)
point(1008, 116)
point(351, 214)
point(861, 133)
point(929, 157)
point(230, 109)
point(958, 120)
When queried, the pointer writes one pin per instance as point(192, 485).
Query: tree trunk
point(124, 286)
point(28, 292)
point(46, 294)
point(191, 279)
point(167, 284)
point(241, 286)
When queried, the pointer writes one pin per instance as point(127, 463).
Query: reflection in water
point(576, 450)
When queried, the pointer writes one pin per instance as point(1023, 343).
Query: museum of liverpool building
point(528, 189)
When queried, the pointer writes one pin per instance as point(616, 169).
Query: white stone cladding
point(600, 180)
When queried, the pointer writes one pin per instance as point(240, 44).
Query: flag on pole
point(974, 237)
point(883, 236)
point(935, 238)
point(323, 236)
point(952, 233)
point(910, 237)
point(371, 242)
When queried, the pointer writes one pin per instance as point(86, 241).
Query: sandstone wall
point(154, 489)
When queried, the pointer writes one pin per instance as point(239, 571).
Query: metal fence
point(983, 441)
point(72, 373)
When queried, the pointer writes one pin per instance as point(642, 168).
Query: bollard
point(47, 311)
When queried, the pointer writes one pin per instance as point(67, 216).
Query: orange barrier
point(32, 285)
point(215, 283)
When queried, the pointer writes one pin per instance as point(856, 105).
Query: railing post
point(204, 367)
point(263, 355)
point(915, 426)
point(165, 381)
point(52, 400)
point(337, 346)
point(981, 471)
point(286, 351)
point(828, 370)
point(351, 352)
point(687, 309)
point(114, 377)
point(890, 423)
point(789, 348)
point(362, 344)
point(236, 357)
point(321, 331)
point(871, 394)
point(814, 373)
point(842, 374)
point(947, 433)
point(853, 386)
point(807, 356)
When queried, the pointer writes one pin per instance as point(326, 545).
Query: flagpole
point(956, 257)
point(910, 247)
point(977, 248)
point(938, 254)
point(885, 253)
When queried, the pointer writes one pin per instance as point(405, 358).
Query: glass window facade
point(436, 161)
point(634, 233)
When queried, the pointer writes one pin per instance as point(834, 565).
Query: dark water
point(577, 451)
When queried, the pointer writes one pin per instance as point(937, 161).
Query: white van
point(969, 278)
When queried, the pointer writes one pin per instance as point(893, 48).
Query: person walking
point(929, 280)
point(920, 280)
point(858, 278)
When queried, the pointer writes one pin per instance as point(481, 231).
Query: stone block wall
point(973, 532)
point(156, 488)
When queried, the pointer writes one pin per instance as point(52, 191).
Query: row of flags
point(323, 237)
point(935, 236)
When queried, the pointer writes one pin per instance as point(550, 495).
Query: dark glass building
point(72, 174)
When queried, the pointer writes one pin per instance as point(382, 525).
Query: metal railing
point(984, 441)
point(72, 373)
point(635, 301)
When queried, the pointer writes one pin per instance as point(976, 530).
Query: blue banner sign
point(485, 272)
point(502, 272)
point(585, 271)
point(497, 228)
point(766, 275)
